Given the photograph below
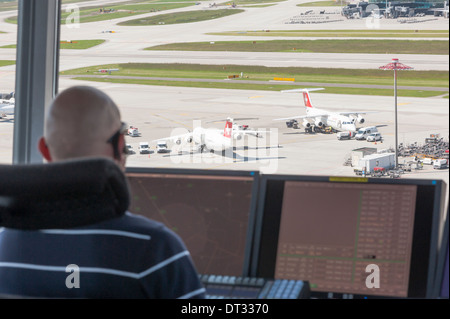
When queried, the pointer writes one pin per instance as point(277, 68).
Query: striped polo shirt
point(125, 257)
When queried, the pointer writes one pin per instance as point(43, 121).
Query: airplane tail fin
point(228, 128)
point(306, 97)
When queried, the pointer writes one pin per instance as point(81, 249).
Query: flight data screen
point(210, 214)
point(346, 238)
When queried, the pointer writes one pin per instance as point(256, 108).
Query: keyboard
point(232, 287)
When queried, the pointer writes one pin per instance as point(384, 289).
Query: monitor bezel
point(255, 175)
point(263, 218)
point(442, 260)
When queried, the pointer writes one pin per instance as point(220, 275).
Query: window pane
point(8, 41)
point(173, 66)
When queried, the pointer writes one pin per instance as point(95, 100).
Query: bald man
point(83, 122)
point(128, 256)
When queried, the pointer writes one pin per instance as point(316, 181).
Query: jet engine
point(178, 141)
point(318, 123)
point(360, 119)
point(189, 139)
point(237, 136)
point(306, 124)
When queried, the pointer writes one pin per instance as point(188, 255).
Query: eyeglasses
point(114, 140)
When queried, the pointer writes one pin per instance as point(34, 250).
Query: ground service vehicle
point(133, 131)
point(440, 163)
point(161, 147)
point(365, 131)
point(130, 149)
point(143, 148)
point(370, 162)
point(345, 135)
point(373, 137)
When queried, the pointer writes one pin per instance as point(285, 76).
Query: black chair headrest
point(63, 194)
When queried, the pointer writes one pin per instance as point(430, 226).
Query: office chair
point(61, 194)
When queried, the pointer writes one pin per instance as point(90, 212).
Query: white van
point(161, 147)
point(365, 131)
point(143, 148)
point(130, 149)
point(373, 137)
point(440, 163)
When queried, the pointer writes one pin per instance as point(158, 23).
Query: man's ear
point(43, 148)
point(122, 145)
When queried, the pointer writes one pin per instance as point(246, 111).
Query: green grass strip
point(6, 62)
point(316, 46)
point(265, 74)
point(182, 17)
point(110, 12)
point(266, 87)
point(73, 44)
point(340, 33)
point(80, 44)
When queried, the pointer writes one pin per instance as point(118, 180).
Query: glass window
point(8, 42)
point(174, 66)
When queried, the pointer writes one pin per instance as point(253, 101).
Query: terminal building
point(395, 9)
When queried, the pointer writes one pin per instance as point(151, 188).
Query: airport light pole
point(395, 65)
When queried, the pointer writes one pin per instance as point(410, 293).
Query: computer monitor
point(349, 237)
point(213, 211)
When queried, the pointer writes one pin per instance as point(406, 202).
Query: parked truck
point(371, 163)
point(345, 135)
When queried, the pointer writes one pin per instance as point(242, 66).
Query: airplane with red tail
point(317, 119)
point(212, 139)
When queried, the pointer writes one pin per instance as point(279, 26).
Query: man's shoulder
point(141, 224)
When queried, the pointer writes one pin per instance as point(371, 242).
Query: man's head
point(83, 122)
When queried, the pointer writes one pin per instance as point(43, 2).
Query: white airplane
point(6, 109)
point(212, 139)
point(7, 103)
point(318, 119)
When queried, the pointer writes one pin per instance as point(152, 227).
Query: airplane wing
point(356, 112)
point(302, 117)
point(250, 132)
